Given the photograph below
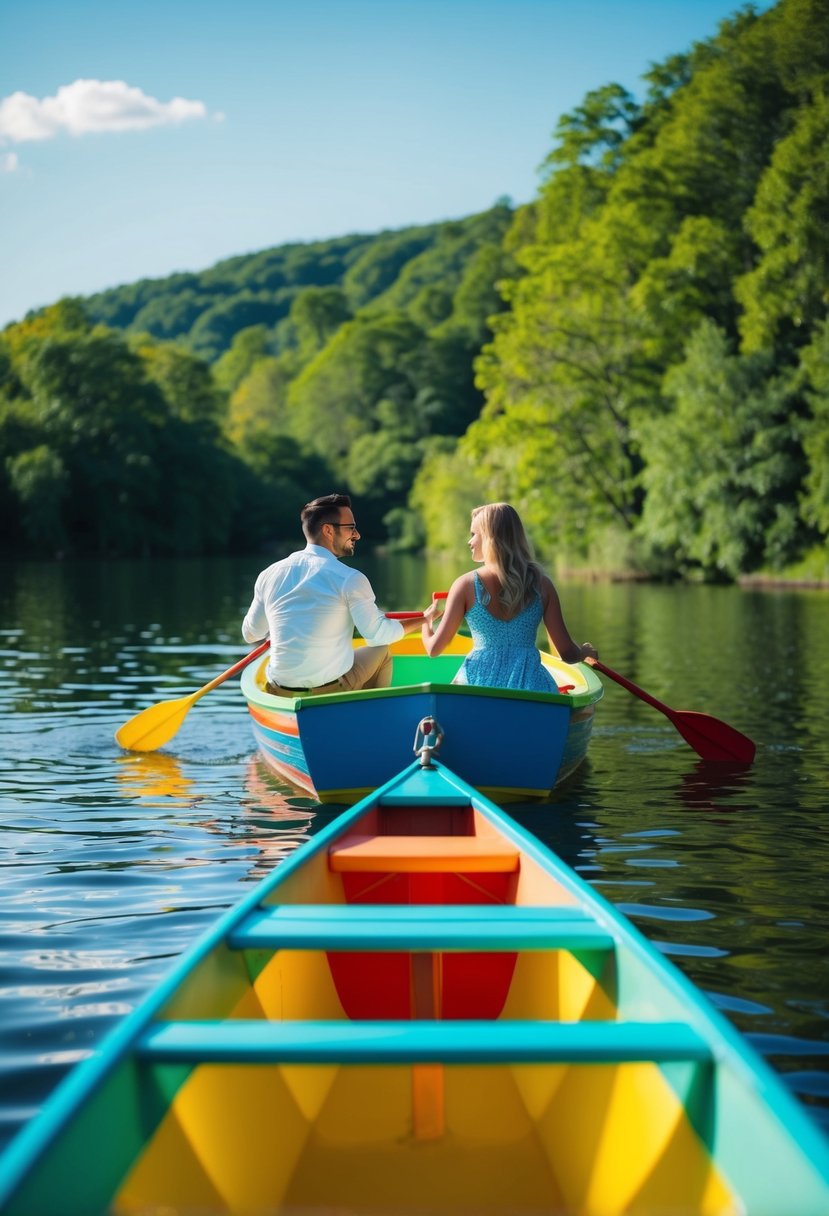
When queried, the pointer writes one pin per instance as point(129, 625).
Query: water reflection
point(153, 776)
point(713, 787)
point(275, 818)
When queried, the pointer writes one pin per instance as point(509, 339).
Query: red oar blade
point(711, 738)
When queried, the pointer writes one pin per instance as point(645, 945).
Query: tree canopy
point(637, 358)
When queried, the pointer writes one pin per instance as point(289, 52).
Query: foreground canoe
point(421, 1011)
point(509, 745)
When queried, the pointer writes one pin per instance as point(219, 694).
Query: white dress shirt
point(309, 603)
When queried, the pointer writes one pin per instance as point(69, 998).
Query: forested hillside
point(658, 386)
point(638, 359)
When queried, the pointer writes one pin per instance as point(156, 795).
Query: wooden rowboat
point(510, 745)
point(421, 1011)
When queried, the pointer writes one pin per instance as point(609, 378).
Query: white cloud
point(90, 105)
point(9, 162)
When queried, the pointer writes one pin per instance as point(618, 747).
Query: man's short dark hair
point(325, 510)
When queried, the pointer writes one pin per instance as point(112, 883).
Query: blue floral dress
point(504, 653)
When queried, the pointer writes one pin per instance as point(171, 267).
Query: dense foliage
point(657, 385)
point(638, 359)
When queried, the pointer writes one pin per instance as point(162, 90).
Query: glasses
point(353, 527)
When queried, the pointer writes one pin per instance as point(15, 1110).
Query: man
point(310, 602)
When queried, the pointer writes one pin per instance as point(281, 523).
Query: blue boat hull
point(512, 746)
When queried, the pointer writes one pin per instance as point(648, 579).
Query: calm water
point(113, 863)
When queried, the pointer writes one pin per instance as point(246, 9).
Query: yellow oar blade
point(154, 726)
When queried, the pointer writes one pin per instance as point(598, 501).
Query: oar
point(156, 725)
point(708, 736)
point(415, 616)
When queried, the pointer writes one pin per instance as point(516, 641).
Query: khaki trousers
point(371, 669)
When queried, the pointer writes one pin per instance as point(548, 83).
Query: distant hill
point(204, 311)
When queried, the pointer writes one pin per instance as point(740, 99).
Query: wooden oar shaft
point(630, 686)
point(234, 670)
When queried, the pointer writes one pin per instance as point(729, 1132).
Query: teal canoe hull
point(548, 1059)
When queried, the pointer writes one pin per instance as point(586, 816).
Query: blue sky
point(141, 138)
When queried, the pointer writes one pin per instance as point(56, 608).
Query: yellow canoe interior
point(247, 1138)
point(425, 1137)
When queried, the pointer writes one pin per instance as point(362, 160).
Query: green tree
point(447, 486)
point(213, 332)
point(95, 457)
point(258, 409)
point(381, 467)
point(185, 381)
point(334, 399)
point(317, 313)
point(171, 315)
point(39, 483)
point(787, 292)
point(723, 468)
point(247, 348)
point(814, 376)
point(477, 298)
point(102, 417)
point(563, 378)
point(691, 282)
point(379, 264)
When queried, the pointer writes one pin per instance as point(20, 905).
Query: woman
point(504, 602)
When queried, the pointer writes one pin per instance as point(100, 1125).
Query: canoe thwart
point(445, 1042)
point(418, 927)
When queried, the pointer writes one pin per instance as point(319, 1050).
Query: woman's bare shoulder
point(463, 580)
point(546, 587)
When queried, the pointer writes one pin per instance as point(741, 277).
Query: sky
point(138, 139)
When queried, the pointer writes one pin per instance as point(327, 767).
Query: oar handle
point(415, 616)
point(629, 685)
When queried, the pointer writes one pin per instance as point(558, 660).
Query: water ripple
point(112, 864)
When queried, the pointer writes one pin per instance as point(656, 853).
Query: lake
point(113, 863)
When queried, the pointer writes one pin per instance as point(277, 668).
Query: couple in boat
point(310, 602)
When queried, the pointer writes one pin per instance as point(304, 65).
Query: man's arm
point(376, 628)
point(255, 624)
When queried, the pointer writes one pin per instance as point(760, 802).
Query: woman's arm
point(457, 603)
point(557, 631)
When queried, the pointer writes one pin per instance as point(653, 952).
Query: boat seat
point(423, 854)
point(429, 927)
point(406, 1042)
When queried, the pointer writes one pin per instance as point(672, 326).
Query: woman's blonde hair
point(507, 550)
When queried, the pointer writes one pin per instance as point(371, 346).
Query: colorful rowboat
point(421, 1011)
point(510, 745)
